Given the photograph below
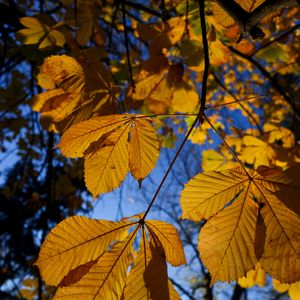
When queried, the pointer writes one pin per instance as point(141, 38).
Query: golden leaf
point(75, 242)
point(165, 89)
point(206, 194)
point(112, 145)
point(185, 98)
point(257, 152)
point(168, 236)
point(258, 221)
point(89, 259)
point(107, 162)
point(38, 32)
point(82, 91)
point(148, 278)
point(106, 279)
point(226, 242)
point(213, 160)
point(143, 149)
point(80, 136)
point(254, 277)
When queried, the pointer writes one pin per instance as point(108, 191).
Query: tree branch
point(248, 22)
point(271, 78)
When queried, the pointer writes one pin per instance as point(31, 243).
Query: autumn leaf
point(233, 201)
point(253, 277)
point(148, 278)
point(143, 149)
point(213, 160)
point(106, 279)
point(38, 32)
point(292, 289)
point(106, 163)
point(169, 238)
point(89, 258)
point(166, 90)
point(75, 242)
point(112, 146)
point(80, 91)
point(258, 152)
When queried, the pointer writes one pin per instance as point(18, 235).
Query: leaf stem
point(228, 147)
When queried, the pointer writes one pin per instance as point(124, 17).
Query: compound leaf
point(251, 216)
point(75, 242)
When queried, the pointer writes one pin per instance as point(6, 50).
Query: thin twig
point(271, 78)
point(182, 289)
point(127, 44)
point(163, 10)
point(202, 105)
point(281, 36)
point(139, 6)
point(117, 3)
point(228, 147)
point(239, 102)
point(187, 17)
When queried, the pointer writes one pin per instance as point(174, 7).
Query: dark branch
point(271, 78)
point(248, 22)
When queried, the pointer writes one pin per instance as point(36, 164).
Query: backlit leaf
point(143, 149)
point(75, 242)
point(112, 145)
point(254, 277)
point(106, 279)
point(106, 162)
point(148, 278)
point(230, 241)
point(207, 193)
point(226, 242)
point(168, 236)
point(80, 136)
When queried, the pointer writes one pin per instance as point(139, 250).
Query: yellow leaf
point(80, 136)
point(254, 277)
point(107, 162)
point(35, 30)
point(53, 38)
point(277, 133)
point(145, 86)
point(39, 32)
point(112, 145)
point(257, 152)
point(168, 236)
point(65, 72)
point(87, 90)
point(160, 97)
point(215, 161)
point(39, 101)
point(207, 193)
point(258, 221)
point(185, 98)
point(144, 148)
point(75, 242)
point(280, 287)
point(226, 242)
point(106, 279)
point(281, 257)
point(294, 291)
point(148, 278)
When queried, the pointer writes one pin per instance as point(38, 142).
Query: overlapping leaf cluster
point(90, 259)
point(251, 217)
